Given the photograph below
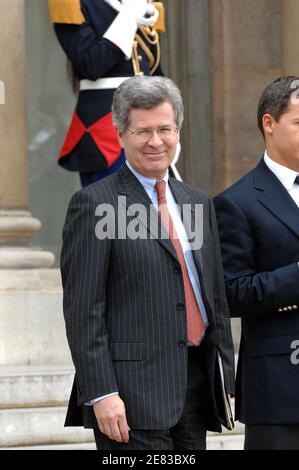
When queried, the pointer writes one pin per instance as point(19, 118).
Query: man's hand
point(111, 417)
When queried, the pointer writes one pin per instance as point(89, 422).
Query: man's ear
point(268, 122)
point(120, 135)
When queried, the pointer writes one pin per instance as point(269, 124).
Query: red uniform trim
point(105, 138)
point(102, 133)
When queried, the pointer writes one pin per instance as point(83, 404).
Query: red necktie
point(195, 325)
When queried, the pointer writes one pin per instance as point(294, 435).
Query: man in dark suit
point(146, 315)
point(258, 219)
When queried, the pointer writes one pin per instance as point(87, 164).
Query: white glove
point(131, 13)
point(152, 18)
point(174, 162)
point(145, 13)
point(137, 7)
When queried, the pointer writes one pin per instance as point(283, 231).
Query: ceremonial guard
point(106, 41)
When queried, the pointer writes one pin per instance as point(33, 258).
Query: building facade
point(221, 53)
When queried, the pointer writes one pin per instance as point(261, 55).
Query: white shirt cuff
point(92, 402)
point(122, 32)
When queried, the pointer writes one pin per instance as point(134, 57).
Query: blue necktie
point(297, 180)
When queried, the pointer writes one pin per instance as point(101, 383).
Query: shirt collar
point(147, 183)
point(285, 175)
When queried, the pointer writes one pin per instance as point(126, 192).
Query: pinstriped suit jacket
point(123, 303)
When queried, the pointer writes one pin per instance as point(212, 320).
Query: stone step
point(219, 442)
point(76, 446)
point(225, 442)
point(32, 329)
point(35, 386)
point(33, 409)
point(38, 426)
point(45, 427)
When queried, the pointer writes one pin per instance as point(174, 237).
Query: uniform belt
point(102, 83)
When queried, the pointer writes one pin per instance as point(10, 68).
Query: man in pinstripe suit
point(140, 382)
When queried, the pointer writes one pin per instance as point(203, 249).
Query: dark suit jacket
point(124, 309)
point(259, 231)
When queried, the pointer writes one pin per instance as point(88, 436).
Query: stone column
point(186, 59)
point(290, 45)
point(35, 365)
point(16, 223)
point(31, 319)
point(246, 56)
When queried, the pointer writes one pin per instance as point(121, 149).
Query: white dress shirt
point(285, 175)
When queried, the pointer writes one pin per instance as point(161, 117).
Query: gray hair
point(145, 92)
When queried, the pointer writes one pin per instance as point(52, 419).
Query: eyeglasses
point(144, 135)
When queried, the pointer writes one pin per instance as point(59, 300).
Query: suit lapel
point(129, 186)
point(275, 197)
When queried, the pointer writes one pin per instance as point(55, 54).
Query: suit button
point(181, 306)
point(295, 307)
point(178, 269)
point(285, 309)
point(182, 344)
